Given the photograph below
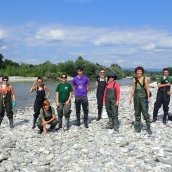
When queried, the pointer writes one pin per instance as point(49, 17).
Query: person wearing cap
point(81, 88)
point(7, 100)
point(141, 95)
point(63, 100)
point(111, 99)
point(163, 96)
point(101, 84)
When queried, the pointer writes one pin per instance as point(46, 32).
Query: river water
point(25, 98)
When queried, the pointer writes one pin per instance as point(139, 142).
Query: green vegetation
point(52, 71)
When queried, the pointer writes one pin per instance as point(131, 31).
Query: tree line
point(53, 71)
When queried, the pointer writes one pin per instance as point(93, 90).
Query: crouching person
point(47, 117)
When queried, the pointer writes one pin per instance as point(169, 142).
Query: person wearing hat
point(111, 99)
point(141, 95)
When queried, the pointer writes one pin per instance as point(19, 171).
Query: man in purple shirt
point(81, 87)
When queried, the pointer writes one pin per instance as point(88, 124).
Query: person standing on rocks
point(163, 97)
point(63, 100)
point(101, 84)
point(40, 89)
point(141, 94)
point(47, 117)
point(111, 100)
point(81, 88)
point(7, 100)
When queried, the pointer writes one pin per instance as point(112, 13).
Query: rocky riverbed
point(95, 149)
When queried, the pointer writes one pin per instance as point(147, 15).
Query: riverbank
point(95, 149)
point(20, 79)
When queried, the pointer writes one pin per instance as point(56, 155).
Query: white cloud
point(50, 35)
point(127, 47)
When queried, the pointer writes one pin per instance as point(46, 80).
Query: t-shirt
point(47, 115)
point(164, 80)
point(80, 84)
point(64, 90)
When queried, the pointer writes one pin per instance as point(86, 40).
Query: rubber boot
point(78, 123)
point(60, 122)
point(40, 131)
point(137, 127)
point(149, 129)
point(110, 125)
point(99, 115)
point(67, 123)
point(165, 118)
point(86, 122)
point(115, 123)
point(11, 123)
point(0, 121)
point(34, 122)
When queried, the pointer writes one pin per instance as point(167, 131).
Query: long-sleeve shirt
point(116, 87)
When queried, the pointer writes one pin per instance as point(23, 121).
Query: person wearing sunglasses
point(7, 100)
point(41, 90)
point(63, 101)
point(81, 88)
point(111, 99)
point(101, 84)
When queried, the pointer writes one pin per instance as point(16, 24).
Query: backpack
point(137, 81)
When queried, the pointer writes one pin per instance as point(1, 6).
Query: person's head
point(139, 71)
point(166, 72)
point(102, 73)
point(46, 104)
point(39, 80)
point(112, 76)
point(80, 70)
point(63, 77)
point(5, 79)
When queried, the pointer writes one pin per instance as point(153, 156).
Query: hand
point(169, 93)
point(117, 103)
point(14, 104)
point(44, 123)
point(57, 104)
point(130, 100)
point(67, 102)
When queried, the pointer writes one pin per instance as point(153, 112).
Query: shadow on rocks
point(21, 122)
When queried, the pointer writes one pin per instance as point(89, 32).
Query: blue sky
point(127, 32)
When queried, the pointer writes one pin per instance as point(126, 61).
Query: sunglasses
point(63, 77)
point(5, 80)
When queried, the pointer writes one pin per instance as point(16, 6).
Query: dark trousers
point(100, 101)
point(84, 102)
point(7, 108)
point(162, 99)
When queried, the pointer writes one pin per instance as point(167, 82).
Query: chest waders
point(52, 124)
point(99, 95)
point(64, 110)
point(40, 97)
point(141, 106)
point(162, 99)
point(111, 108)
point(6, 106)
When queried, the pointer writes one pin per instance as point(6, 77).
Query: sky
point(127, 32)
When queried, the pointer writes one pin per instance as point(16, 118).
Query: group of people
point(108, 94)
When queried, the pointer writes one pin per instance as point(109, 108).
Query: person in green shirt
point(163, 97)
point(63, 100)
point(47, 117)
